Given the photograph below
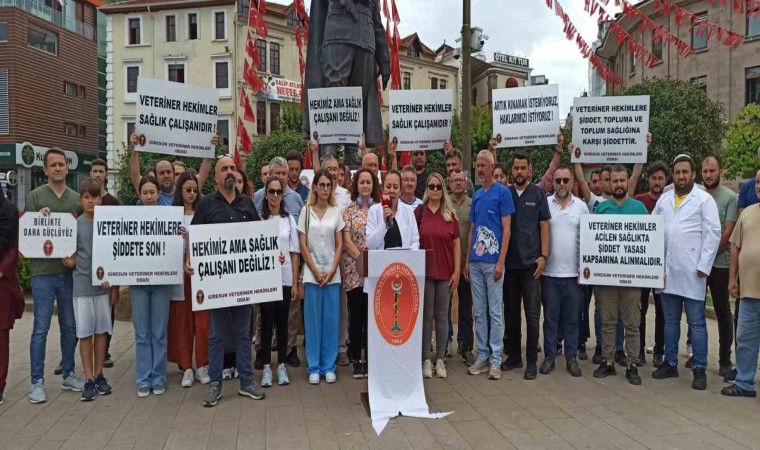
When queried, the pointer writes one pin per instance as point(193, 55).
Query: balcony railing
point(39, 9)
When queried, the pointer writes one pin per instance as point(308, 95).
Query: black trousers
point(358, 305)
point(718, 284)
point(275, 314)
point(522, 290)
point(659, 322)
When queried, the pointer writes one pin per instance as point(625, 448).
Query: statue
point(347, 47)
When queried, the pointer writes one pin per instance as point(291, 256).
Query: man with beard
point(595, 182)
point(620, 302)
point(227, 205)
point(692, 238)
point(562, 296)
point(726, 200)
point(462, 204)
point(419, 160)
point(657, 177)
point(526, 259)
point(295, 164)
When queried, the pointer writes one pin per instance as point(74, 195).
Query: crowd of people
point(503, 249)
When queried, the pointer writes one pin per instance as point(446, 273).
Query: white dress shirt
point(407, 224)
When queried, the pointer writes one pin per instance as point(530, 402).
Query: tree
point(682, 119)
point(742, 141)
point(278, 143)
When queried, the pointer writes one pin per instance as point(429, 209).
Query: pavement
point(554, 411)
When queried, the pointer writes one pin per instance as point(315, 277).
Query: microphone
point(386, 201)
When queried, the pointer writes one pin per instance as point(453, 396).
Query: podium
point(363, 262)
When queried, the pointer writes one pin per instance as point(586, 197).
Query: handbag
point(301, 291)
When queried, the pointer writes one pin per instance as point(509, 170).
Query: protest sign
point(420, 119)
point(137, 245)
point(336, 115)
point(51, 236)
point(235, 264)
point(610, 129)
point(526, 116)
point(622, 250)
point(175, 118)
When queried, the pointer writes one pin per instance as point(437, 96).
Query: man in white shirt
point(561, 294)
point(692, 237)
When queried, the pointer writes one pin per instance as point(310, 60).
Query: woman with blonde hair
point(439, 232)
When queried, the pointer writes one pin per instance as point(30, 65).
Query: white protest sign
point(52, 236)
point(336, 115)
point(175, 118)
point(137, 245)
point(610, 129)
point(525, 116)
point(235, 264)
point(622, 250)
point(420, 119)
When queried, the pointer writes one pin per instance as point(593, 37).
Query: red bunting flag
point(251, 49)
point(406, 159)
point(383, 164)
point(262, 6)
point(248, 111)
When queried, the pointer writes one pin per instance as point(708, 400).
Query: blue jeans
point(672, 308)
point(150, 317)
point(487, 302)
point(232, 322)
point(321, 317)
point(619, 332)
point(46, 291)
point(561, 298)
point(747, 343)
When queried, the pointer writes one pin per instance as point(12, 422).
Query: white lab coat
point(692, 237)
point(407, 225)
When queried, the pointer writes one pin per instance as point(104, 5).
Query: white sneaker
point(235, 373)
point(478, 368)
point(427, 369)
point(440, 369)
point(330, 377)
point(202, 375)
point(226, 374)
point(187, 378)
point(314, 378)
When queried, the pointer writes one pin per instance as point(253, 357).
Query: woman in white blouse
point(392, 226)
point(320, 229)
point(276, 313)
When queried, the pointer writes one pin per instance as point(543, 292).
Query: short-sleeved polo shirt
point(214, 208)
point(488, 208)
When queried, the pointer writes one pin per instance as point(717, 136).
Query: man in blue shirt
point(488, 240)
point(295, 165)
point(747, 195)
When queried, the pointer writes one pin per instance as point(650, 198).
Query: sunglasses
point(191, 190)
point(435, 187)
point(325, 186)
point(275, 192)
point(562, 181)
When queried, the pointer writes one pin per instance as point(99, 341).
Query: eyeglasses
point(191, 190)
point(274, 192)
point(325, 186)
point(435, 187)
point(562, 181)
point(457, 180)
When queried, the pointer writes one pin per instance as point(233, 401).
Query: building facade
point(48, 89)
point(731, 76)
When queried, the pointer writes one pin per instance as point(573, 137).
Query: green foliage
point(742, 141)
point(290, 116)
point(278, 143)
point(682, 119)
point(24, 268)
point(126, 193)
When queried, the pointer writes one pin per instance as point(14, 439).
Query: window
point(5, 126)
point(222, 75)
point(82, 131)
point(223, 130)
point(699, 33)
point(274, 116)
point(220, 27)
point(753, 85)
point(407, 81)
point(132, 73)
point(753, 22)
point(293, 19)
point(42, 39)
point(700, 82)
point(134, 29)
point(130, 128)
point(80, 11)
point(3, 32)
point(433, 83)
point(261, 118)
point(657, 49)
point(442, 84)
point(632, 62)
point(70, 89)
point(70, 129)
point(413, 51)
point(192, 26)
point(261, 46)
point(171, 28)
point(176, 72)
point(274, 58)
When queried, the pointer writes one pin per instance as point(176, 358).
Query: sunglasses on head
point(562, 181)
point(274, 192)
point(435, 187)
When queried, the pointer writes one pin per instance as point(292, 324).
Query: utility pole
point(466, 107)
